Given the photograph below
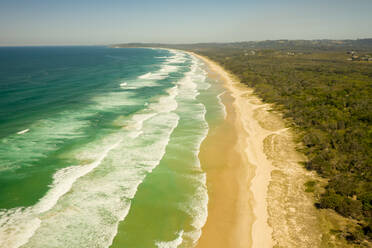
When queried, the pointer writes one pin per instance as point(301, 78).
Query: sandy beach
point(255, 182)
point(238, 184)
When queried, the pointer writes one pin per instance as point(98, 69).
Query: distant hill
point(296, 45)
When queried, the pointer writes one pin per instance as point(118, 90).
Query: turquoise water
point(99, 147)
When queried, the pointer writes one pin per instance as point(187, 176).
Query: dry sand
point(255, 182)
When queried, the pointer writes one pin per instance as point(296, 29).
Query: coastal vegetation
point(327, 97)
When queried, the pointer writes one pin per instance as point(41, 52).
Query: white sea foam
point(114, 100)
point(18, 225)
point(151, 75)
point(196, 205)
point(197, 208)
point(222, 105)
point(23, 131)
point(166, 68)
point(137, 84)
point(188, 85)
point(162, 73)
point(178, 57)
point(65, 177)
point(200, 75)
point(171, 244)
point(136, 123)
point(168, 103)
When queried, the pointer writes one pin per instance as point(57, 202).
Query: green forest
point(327, 96)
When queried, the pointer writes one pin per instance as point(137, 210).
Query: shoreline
point(248, 225)
point(271, 207)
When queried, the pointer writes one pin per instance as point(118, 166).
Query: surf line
point(222, 104)
point(62, 183)
point(63, 186)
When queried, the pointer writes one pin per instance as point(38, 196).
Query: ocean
point(99, 146)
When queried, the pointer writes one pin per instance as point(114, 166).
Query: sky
point(101, 22)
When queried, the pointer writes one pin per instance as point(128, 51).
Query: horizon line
point(177, 43)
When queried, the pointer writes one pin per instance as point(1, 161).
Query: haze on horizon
point(92, 22)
